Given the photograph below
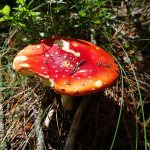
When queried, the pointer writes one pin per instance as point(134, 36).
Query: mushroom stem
point(76, 121)
point(67, 102)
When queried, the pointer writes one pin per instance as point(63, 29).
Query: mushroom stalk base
point(67, 102)
point(76, 122)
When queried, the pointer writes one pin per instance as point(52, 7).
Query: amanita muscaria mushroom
point(72, 67)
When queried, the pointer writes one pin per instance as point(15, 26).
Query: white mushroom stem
point(76, 122)
point(67, 102)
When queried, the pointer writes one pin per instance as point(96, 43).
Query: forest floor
point(119, 116)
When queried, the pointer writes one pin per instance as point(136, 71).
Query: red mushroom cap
point(71, 66)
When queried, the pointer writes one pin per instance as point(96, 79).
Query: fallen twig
point(38, 129)
point(76, 122)
point(2, 146)
point(50, 115)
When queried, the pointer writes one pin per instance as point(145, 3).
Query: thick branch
point(76, 122)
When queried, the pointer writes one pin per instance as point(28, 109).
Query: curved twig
point(76, 122)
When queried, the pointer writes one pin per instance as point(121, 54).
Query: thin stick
point(50, 115)
point(38, 128)
point(76, 122)
point(2, 126)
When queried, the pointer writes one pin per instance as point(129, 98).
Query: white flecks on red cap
point(70, 66)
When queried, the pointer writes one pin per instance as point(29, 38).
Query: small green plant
point(41, 20)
